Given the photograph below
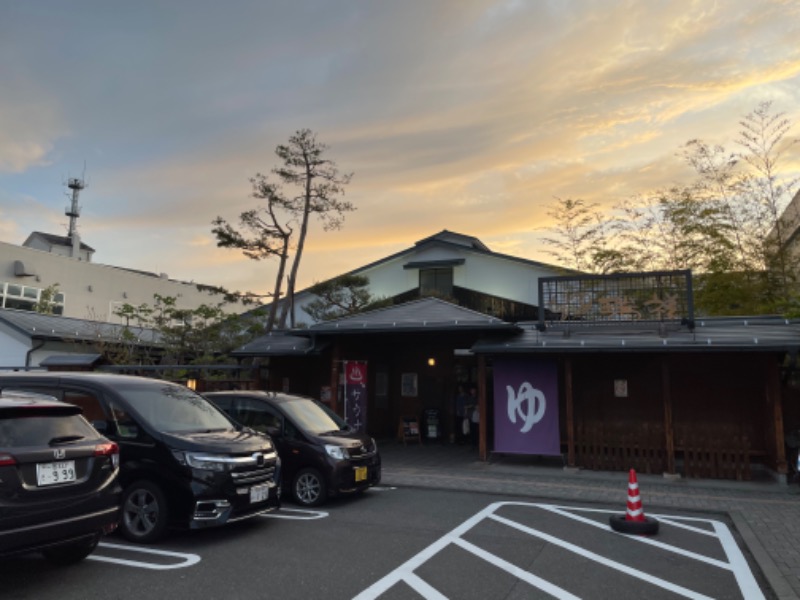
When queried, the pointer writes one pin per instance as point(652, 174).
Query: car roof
point(275, 397)
point(14, 402)
point(106, 379)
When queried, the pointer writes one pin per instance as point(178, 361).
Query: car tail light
point(7, 459)
point(108, 449)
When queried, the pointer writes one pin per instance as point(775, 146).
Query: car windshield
point(174, 408)
point(313, 417)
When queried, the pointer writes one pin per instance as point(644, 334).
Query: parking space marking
point(302, 514)
point(187, 560)
point(737, 563)
point(643, 540)
point(613, 564)
point(735, 560)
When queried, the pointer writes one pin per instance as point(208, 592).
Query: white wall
point(496, 275)
point(91, 290)
point(13, 348)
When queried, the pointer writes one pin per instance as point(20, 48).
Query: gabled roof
point(426, 314)
point(715, 334)
point(55, 240)
point(455, 240)
point(55, 327)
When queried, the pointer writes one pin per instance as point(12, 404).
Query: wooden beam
point(482, 450)
point(568, 393)
point(335, 378)
point(669, 432)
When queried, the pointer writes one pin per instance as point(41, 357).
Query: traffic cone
point(634, 521)
point(635, 511)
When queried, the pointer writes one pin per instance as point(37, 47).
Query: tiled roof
point(278, 343)
point(43, 326)
point(426, 314)
point(716, 334)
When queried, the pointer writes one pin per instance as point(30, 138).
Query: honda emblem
point(59, 453)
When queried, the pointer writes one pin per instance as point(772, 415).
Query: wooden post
point(773, 397)
point(669, 434)
point(568, 393)
point(335, 378)
point(482, 450)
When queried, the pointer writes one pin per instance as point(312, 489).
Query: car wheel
point(309, 488)
point(144, 512)
point(74, 552)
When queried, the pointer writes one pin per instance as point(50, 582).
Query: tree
point(201, 335)
point(319, 185)
point(47, 300)
point(579, 233)
point(342, 296)
point(269, 236)
point(762, 137)
point(730, 226)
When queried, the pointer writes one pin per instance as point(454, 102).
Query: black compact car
point(183, 462)
point(321, 455)
point(58, 479)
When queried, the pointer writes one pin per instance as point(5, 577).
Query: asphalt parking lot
point(406, 542)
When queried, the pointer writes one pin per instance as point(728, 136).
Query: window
point(25, 297)
point(437, 282)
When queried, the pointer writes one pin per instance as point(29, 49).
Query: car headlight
point(202, 460)
point(337, 452)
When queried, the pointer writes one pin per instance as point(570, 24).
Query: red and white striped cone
point(634, 521)
point(635, 511)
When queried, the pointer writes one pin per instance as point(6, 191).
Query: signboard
point(355, 394)
point(658, 296)
point(526, 406)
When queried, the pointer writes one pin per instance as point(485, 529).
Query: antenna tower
point(74, 211)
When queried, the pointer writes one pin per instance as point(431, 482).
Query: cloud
point(463, 115)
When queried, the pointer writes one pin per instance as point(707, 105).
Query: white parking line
point(187, 560)
point(736, 562)
point(302, 514)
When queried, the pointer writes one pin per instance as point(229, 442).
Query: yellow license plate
point(361, 474)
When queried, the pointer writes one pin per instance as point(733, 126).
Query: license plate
point(259, 493)
point(361, 474)
point(57, 472)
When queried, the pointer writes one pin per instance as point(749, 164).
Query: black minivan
point(183, 462)
point(321, 455)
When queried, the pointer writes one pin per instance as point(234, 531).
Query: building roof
point(72, 360)
point(55, 327)
point(279, 343)
point(455, 240)
point(716, 334)
point(56, 240)
point(425, 314)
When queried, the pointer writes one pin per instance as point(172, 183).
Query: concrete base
point(672, 476)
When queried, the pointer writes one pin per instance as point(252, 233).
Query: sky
point(466, 115)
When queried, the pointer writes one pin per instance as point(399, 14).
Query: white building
point(456, 267)
point(84, 289)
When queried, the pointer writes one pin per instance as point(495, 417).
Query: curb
point(783, 590)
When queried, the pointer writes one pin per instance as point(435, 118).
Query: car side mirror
point(100, 426)
point(273, 431)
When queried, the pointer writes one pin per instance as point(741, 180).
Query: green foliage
point(308, 184)
point(342, 296)
point(47, 300)
point(202, 335)
point(729, 225)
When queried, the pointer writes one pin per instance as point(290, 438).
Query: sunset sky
point(465, 115)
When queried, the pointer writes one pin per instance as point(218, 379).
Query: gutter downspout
point(30, 352)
